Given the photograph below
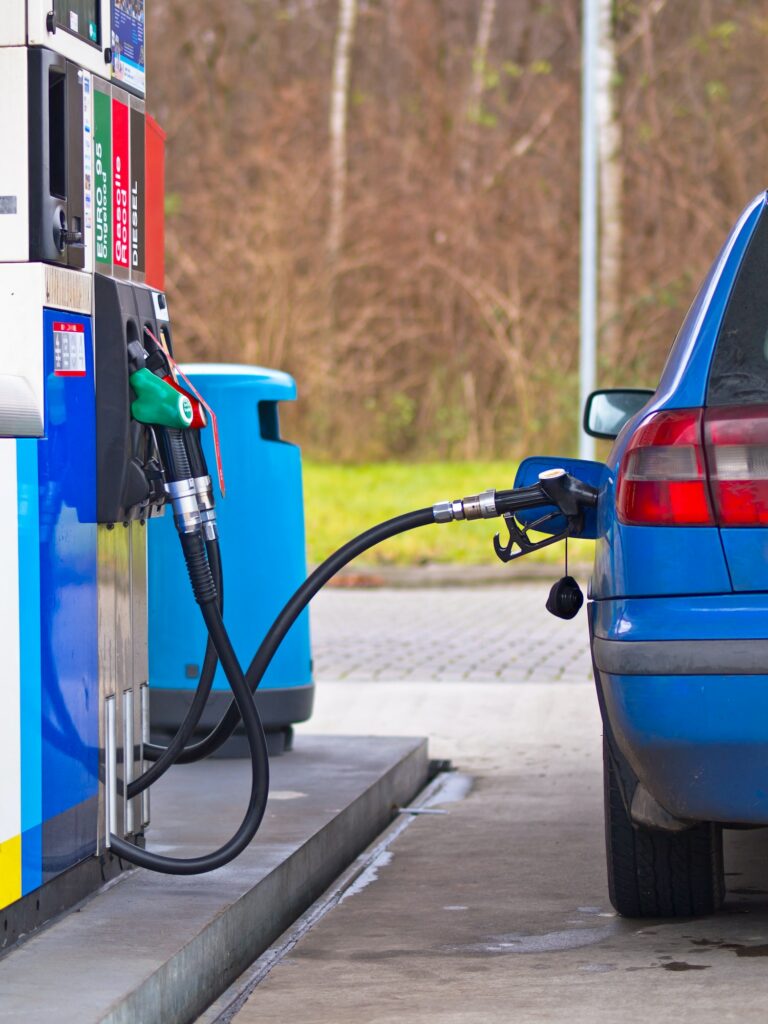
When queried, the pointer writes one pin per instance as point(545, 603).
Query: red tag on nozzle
point(175, 368)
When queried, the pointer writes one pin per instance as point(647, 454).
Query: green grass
point(342, 501)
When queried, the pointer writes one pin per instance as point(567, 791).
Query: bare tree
point(610, 177)
point(473, 106)
point(338, 124)
point(452, 325)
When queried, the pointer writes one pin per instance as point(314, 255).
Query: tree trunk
point(476, 89)
point(610, 189)
point(338, 125)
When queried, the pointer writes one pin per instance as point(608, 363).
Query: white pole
point(589, 142)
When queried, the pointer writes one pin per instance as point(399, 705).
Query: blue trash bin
point(261, 525)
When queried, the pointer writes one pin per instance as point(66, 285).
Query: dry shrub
point(448, 326)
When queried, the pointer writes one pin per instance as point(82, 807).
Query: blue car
point(678, 611)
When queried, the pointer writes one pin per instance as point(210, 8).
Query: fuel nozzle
point(188, 479)
point(569, 494)
point(157, 404)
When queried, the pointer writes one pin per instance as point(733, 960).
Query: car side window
point(739, 374)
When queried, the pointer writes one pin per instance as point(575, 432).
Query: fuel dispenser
point(98, 434)
point(79, 475)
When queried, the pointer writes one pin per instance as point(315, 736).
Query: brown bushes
point(448, 323)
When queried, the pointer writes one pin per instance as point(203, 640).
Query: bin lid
point(266, 384)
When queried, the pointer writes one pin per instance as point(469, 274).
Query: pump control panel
point(81, 169)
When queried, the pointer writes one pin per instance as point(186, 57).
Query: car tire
point(652, 873)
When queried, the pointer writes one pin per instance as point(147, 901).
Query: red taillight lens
point(737, 451)
point(662, 479)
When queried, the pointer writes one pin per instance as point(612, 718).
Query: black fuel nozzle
point(567, 492)
point(489, 504)
point(137, 356)
point(554, 487)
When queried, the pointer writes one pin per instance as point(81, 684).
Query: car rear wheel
point(659, 874)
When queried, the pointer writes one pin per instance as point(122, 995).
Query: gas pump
point(79, 476)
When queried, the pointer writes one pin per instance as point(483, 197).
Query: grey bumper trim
point(681, 657)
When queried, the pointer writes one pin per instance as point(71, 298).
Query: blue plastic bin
point(261, 525)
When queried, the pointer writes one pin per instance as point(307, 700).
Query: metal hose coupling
point(476, 506)
point(186, 514)
point(206, 506)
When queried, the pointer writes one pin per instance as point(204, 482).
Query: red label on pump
point(120, 185)
point(68, 350)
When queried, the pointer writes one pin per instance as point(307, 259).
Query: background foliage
point(447, 323)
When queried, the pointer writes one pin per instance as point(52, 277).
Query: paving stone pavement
point(476, 634)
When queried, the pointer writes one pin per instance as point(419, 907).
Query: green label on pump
point(102, 176)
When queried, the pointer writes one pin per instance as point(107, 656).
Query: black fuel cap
point(565, 598)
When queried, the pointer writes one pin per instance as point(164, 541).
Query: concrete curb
point(495, 574)
point(217, 933)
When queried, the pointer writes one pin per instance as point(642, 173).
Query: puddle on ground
point(741, 949)
point(548, 942)
point(681, 965)
point(367, 877)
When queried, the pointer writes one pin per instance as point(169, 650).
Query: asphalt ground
point(497, 909)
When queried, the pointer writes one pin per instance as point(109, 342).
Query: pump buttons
point(565, 598)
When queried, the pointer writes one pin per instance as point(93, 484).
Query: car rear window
point(739, 374)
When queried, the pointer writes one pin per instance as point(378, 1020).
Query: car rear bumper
point(690, 715)
point(697, 743)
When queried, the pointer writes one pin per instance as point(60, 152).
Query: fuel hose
point(202, 564)
point(504, 501)
point(164, 757)
point(243, 706)
point(177, 752)
point(291, 611)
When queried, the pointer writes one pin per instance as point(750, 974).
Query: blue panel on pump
point(68, 596)
point(29, 663)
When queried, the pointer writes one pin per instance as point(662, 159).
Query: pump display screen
point(128, 43)
point(81, 17)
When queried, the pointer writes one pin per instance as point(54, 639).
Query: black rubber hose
point(293, 608)
point(183, 459)
point(165, 757)
point(205, 593)
point(174, 454)
point(195, 455)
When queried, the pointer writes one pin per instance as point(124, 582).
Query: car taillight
point(736, 440)
point(662, 480)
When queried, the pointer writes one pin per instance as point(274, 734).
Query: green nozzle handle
point(157, 403)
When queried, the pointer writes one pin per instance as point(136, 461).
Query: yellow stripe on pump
point(10, 871)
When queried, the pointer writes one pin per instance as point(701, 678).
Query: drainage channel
point(447, 787)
